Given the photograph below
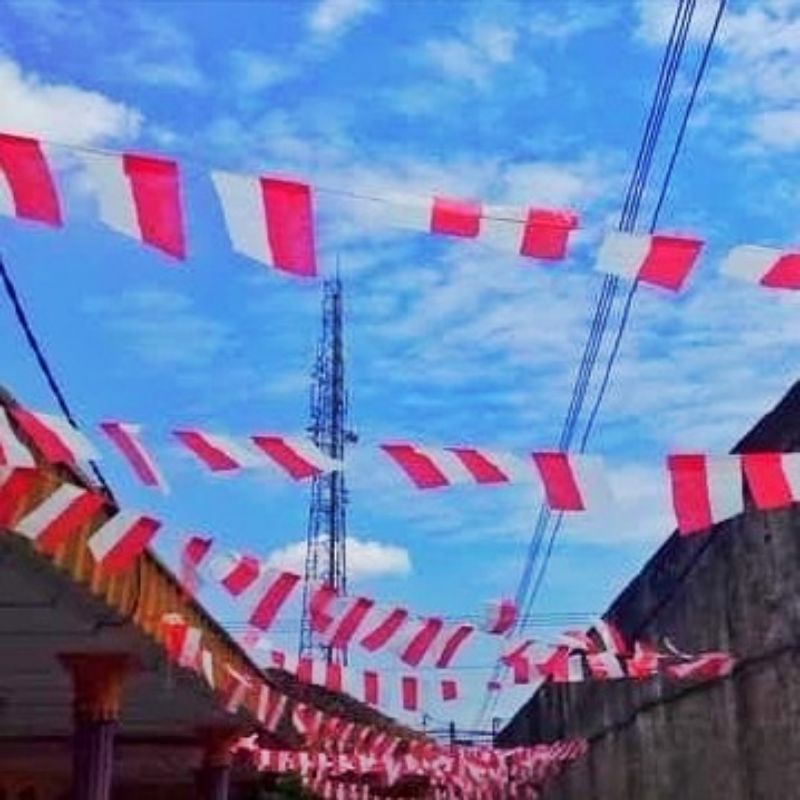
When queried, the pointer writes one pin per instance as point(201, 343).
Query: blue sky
point(447, 342)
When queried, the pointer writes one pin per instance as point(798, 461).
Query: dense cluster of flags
point(705, 489)
point(271, 219)
point(367, 769)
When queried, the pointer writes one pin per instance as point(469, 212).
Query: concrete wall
point(736, 589)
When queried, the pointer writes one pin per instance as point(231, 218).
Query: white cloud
point(62, 112)
point(570, 20)
point(366, 558)
point(473, 56)
point(778, 129)
point(254, 71)
point(330, 18)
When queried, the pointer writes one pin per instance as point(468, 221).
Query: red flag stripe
point(13, 453)
point(558, 477)
point(547, 233)
point(215, 458)
point(371, 688)
point(501, 617)
point(117, 544)
point(452, 645)
point(290, 225)
point(16, 487)
point(155, 186)
point(387, 628)
point(30, 182)
point(767, 480)
point(55, 438)
point(194, 551)
point(125, 438)
point(479, 466)
point(449, 690)
point(669, 261)
point(409, 690)
point(348, 625)
point(236, 572)
point(286, 457)
point(455, 217)
point(275, 595)
point(322, 598)
point(333, 677)
point(419, 468)
point(60, 516)
point(422, 641)
point(784, 273)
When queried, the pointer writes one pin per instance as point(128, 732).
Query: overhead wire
point(529, 587)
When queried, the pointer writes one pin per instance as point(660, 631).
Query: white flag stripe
point(236, 449)
point(593, 484)
point(32, 525)
point(14, 452)
point(725, 495)
point(113, 190)
point(108, 535)
point(243, 208)
point(7, 206)
point(749, 262)
point(518, 470)
point(191, 648)
point(575, 672)
point(75, 441)
point(623, 253)
point(791, 469)
point(407, 211)
point(134, 431)
point(448, 463)
point(207, 666)
point(310, 452)
point(502, 234)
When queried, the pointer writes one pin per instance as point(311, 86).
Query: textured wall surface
point(738, 738)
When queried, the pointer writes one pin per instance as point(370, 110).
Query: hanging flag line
point(705, 489)
point(272, 219)
point(447, 772)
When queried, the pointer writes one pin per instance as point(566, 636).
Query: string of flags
point(705, 489)
point(371, 769)
point(272, 219)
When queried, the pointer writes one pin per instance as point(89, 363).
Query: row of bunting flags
point(442, 772)
point(272, 220)
point(705, 489)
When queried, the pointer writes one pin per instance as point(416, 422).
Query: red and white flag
point(16, 486)
point(219, 453)
point(644, 662)
point(236, 689)
point(12, 452)
point(139, 196)
point(320, 673)
point(419, 640)
point(705, 666)
point(382, 628)
point(54, 437)
point(235, 571)
point(533, 232)
point(269, 220)
point(449, 689)
point(350, 613)
point(274, 589)
point(606, 666)
point(274, 710)
point(207, 667)
point(705, 490)
point(571, 482)
point(183, 641)
point(372, 688)
point(449, 643)
point(299, 458)
point(659, 260)
point(125, 437)
point(434, 467)
point(117, 543)
point(773, 478)
point(193, 553)
point(60, 516)
point(409, 692)
point(501, 616)
point(611, 638)
point(27, 189)
point(767, 266)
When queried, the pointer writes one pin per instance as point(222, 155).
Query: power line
point(42, 362)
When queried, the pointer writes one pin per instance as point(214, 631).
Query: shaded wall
point(738, 738)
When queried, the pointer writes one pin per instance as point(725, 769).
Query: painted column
point(97, 683)
point(213, 777)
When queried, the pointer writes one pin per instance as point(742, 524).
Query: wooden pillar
point(97, 682)
point(213, 777)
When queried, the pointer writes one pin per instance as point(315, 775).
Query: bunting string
point(272, 219)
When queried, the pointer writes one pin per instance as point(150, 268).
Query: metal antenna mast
point(326, 553)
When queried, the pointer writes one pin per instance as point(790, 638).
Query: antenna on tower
point(326, 545)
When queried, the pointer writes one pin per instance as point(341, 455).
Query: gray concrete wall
point(738, 738)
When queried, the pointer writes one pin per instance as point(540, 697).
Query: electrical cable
point(41, 360)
